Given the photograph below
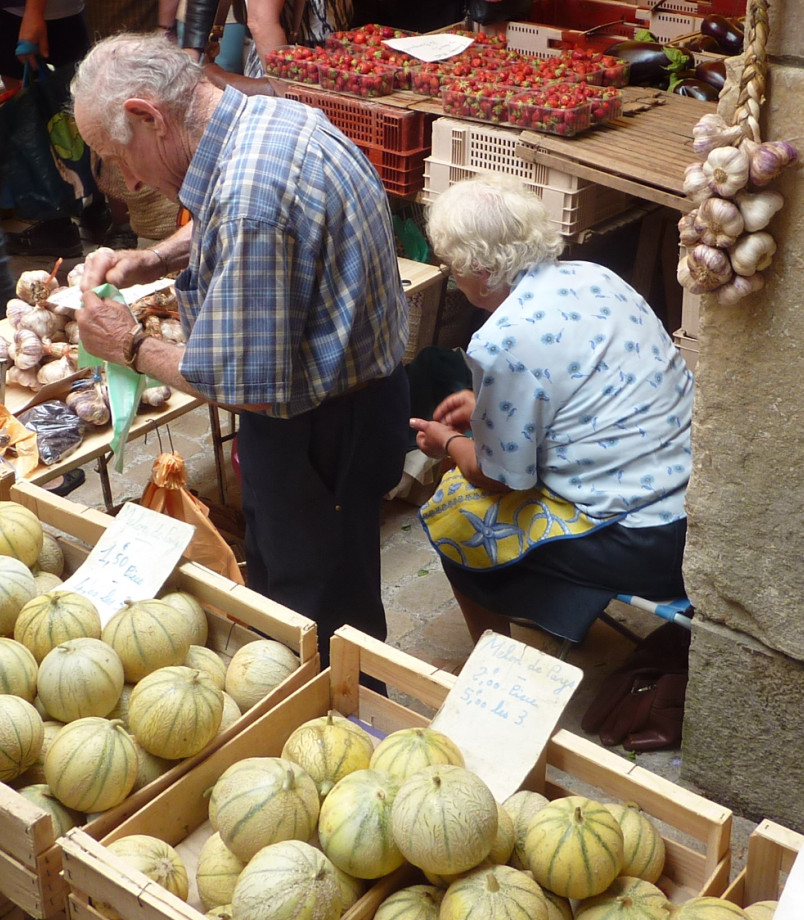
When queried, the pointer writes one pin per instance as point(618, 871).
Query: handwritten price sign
point(504, 707)
point(131, 560)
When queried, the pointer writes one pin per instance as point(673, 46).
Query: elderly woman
point(572, 450)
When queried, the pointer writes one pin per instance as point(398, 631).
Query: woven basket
point(151, 215)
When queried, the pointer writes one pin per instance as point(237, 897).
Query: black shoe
point(58, 237)
point(120, 236)
point(71, 480)
point(96, 219)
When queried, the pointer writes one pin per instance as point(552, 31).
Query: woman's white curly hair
point(494, 223)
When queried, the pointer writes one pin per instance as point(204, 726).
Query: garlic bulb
point(696, 183)
point(726, 170)
point(74, 275)
point(704, 269)
point(3, 349)
point(35, 286)
point(767, 160)
point(739, 287)
point(56, 370)
point(28, 349)
point(155, 396)
point(16, 376)
point(687, 234)
point(711, 131)
point(71, 332)
point(16, 308)
point(39, 320)
point(753, 252)
point(171, 331)
point(758, 208)
point(88, 401)
point(718, 222)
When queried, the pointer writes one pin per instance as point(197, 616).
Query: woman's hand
point(33, 29)
point(431, 437)
point(456, 410)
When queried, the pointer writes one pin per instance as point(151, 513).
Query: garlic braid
point(752, 82)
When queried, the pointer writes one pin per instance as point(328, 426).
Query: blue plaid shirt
point(292, 292)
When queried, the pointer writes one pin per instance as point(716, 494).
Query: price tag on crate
point(504, 708)
point(131, 560)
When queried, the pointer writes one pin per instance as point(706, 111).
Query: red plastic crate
point(369, 123)
point(401, 174)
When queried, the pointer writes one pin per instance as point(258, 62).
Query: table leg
point(217, 447)
point(102, 468)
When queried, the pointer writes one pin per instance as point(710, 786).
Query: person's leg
point(312, 491)
point(479, 619)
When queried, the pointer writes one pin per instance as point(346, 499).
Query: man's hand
point(105, 327)
point(121, 267)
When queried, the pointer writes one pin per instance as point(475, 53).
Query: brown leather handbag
point(641, 704)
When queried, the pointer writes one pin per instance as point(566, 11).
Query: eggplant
point(696, 89)
point(713, 72)
point(728, 36)
point(647, 59)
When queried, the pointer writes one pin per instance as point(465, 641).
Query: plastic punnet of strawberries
point(559, 108)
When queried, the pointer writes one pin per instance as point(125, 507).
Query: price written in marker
point(504, 708)
point(132, 559)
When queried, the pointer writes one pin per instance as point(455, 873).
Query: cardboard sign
point(437, 47)
point(504, 708)
point(791, 900)
point(131, 560)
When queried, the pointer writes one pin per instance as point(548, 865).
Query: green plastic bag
point(411, 238)
point(125, 386)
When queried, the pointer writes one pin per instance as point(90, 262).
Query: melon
point(256, 669)
point(224, 912)
point(21, 533)
point(405, 752)
point(80, 677)
point(92, 764)
point(217, 872)
point(204, 659)
point(352, 889)
point(627, 898)
point(21, 736)
point(35, 774)
point(193, 613)
point(708, 908)
point(63, 818)
point(444, 819)
point(120, 710)
point(51, 557)
point(416, 902)
point(494, 893)
point(558, 908)
point(175, 712)
point(574, 847)
point(761, 910)
point(643, 847)
point(50, 619)
point(523, 806)
point(147, 635)
point(47, 581)
point(18, 669)
point(231, 713)
point(354, 826)
point(157, 860)
point(17, 587)
point(264, 800)
point(329, 748)
point(149, 767)
point(503, 845)
point(288, 880)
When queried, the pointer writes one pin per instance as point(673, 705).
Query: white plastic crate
point(573, 211)
point(534, 39)
point(478, 146)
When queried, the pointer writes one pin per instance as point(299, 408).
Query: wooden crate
point(30, 859)
point(772, 849)
point(179, 814)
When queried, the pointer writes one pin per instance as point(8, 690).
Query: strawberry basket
point(558, 108)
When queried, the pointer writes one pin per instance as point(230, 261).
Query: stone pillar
point(744, 566)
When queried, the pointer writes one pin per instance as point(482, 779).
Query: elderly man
point(291, 299)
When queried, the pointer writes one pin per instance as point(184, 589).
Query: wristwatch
point(136, 337)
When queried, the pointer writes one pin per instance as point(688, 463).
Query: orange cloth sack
point(167, 494)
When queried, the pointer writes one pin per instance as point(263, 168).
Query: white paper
point(70, 297)
point(791, 900)
point(504, 708)
point(131, 560)
point(431, 47)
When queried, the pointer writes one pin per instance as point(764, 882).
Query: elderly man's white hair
point(494, 223)
point(129, 65)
